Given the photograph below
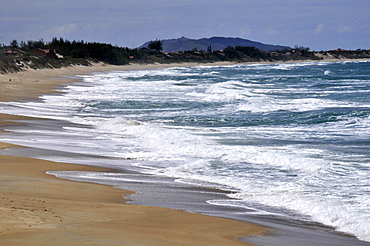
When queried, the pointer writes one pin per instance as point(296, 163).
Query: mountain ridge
point(215, 43)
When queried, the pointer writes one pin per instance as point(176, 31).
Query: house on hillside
point(144, 49)
point(50, 54)
point(11, 52)
point(338, 50)
point(274, 53)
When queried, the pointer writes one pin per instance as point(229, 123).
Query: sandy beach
point(40, 209)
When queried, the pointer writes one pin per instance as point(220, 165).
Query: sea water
point(290, 139)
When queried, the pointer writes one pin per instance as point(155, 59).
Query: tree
point(14, 44)
point(232, 53)
point(302, 49)
point(31, 45)
point(156, 45)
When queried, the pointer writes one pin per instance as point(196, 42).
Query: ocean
point(290, 140)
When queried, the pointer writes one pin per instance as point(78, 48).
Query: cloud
point(60, 31)
point(17, 18)
point(245, 30)
point(320, 28)
point(272, 31)
point(345, 29)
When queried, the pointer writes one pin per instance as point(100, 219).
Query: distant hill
point(217, 43)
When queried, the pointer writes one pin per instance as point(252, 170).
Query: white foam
point(269, 166)
point(332, 212)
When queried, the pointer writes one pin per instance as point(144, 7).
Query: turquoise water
point(291, 137)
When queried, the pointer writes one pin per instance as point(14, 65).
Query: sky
point(317, 24)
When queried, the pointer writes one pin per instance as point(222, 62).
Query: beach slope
point(40, 209)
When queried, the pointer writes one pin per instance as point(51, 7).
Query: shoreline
point(36, 82)
point(30, 84)
point(37, 207)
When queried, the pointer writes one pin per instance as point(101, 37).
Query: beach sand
point(40, 209)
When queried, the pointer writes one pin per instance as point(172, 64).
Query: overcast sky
point(318, 24)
